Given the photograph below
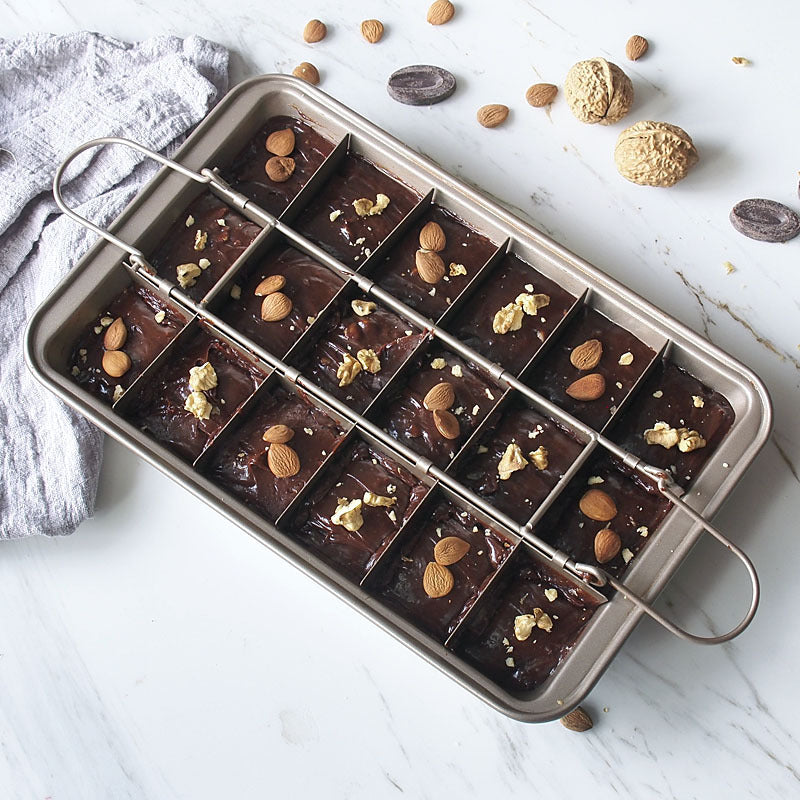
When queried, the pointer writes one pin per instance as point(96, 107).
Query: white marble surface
point(161, 653)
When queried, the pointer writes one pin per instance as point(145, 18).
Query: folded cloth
point(55, 93)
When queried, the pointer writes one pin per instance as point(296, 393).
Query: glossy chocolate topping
point(348, 236)
point(248, 174)
point(159, 410)
point(465, 248)
point(638, 514)
point(309, 286)
point(227, 236)
point(512, 277)
point(391, 338)
point(403, 588)
point(555, 373)
point(146, 339)
point(360, 469)
point(711, 415)
point(491, 644)
point(241, 464)
point(406, 418)
point(523, 491)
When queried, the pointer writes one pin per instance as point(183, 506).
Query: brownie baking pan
point(528, 544)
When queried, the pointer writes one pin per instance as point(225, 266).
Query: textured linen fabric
point(55, 93)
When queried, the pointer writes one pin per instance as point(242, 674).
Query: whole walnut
point(654, 153)
point(598, 91)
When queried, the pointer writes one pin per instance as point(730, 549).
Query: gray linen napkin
point(56, 92)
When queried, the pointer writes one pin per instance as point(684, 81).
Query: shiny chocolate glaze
point(224, 245)
point(241, 464)
point(555, 372)
point(406, 418)
point(398, 273)
point(490, 642)
point(403, 586)
point(570, 530)
point(388, 335)
point(523, 491)
point(360, 469)
point(675, 406)
point(309, 286)
point(248, 174)
point(146, 339)
point(348, 237)
point(159, 409)
point(473, 323)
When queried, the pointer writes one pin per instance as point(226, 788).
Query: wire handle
point(592, 574)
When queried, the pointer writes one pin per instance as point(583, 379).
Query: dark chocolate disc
point(765, 220)
point(421, 85)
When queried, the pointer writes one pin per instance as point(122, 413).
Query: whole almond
point(278, 434)
point(589, 387)
point(577, 720)
point(116, 363)
point(636, 47)
point(307, 72)
point(432, 237)
point(116, 335)
point(279, 168)
point(275, 307)
point(437, 580)
point(281, 143)
point(446, 423)
point(282, 460)
point(607, 545)
point(450, 550)
point(440, 397)
point(587, 355)
point(492, 115)
point(270, 284)
point(314, 31)
point(598, 505)
point(372, 30)
point(541, 94)
point(429, 266)
point(440, 12)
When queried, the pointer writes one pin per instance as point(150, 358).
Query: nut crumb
point(438, 363)
point(551, 594)
point(594, 479)
point(236, 291)
point(531, 303)
point(625, 359)
point(363, 308)
point(308, 431)
point(643, 530)
point(457, 269)
point(456, 371)
point(189, 221)
point(118, 392)
point(334, 215)
point(627, 555)
point(204, 263)
point(482, 449)
point(741, 61)
point(75, 371)
point(658, 394)
point(729, 268)
point(378, 500)
point(106, 321)
point(221, 222)
point(698, 401)
point(510, 662)
point(160, 316)
point(200, 239)
point(98, 329)
point(187, 274)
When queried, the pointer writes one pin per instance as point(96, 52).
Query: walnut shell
point(598, 91)
point(654, 153)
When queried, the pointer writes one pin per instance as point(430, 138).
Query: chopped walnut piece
point(369, 360)
point(539, 457)
point(381, 202)
point(508, 318)
point(438, 363)
point(378, 500)
point(593, 479)
point(457, 269)
point(456, 371)
point(189, 221)
point(543, 620)
point(118, 391)
point(698, 401)
point(363, 308)
point(626, 359)
point(627, 555)
point(197, 404)
point(690, 440)
point(202, 378)
point(362, 206)
point(236, 291)
point(348, 514)
point(523, 626)
point(348, 370)
point(160, 316)
point(204, 263)
point(531, 303)
point(187, 274)
point(200, 239)
point(551, 594)
point(334, 215)
point(643, 530)
point(511, 462)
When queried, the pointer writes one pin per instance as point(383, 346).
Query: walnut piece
point(197, 404)
point(378, 500)
point(531, 303)
point(348, 370)
point(654, 153)
point(202, 378)
point(598, 91)
point(508, 318)
point(539, 457)
point(348, 514)
point(369, 360)
point(187, 274)
point(366, 208)
point(662, 434)
point(457, 269)
point(438, 363)
point(511, 462)
point(363, 308)
point(525, 623)
point(200, 239)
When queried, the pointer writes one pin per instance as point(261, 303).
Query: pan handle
point(134, 252)
point(666, 488)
